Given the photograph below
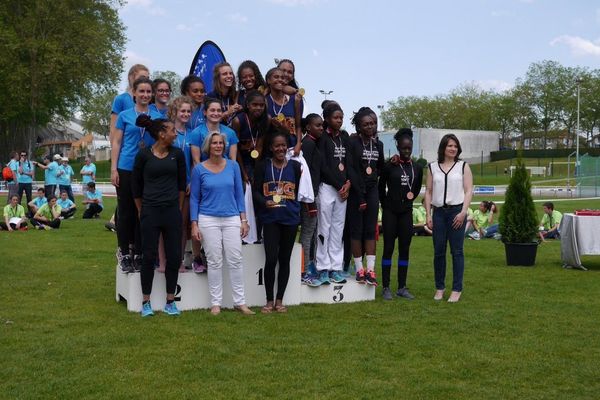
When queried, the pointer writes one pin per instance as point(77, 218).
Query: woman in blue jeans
point(447, 196)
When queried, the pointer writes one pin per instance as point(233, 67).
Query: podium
point(192, 289)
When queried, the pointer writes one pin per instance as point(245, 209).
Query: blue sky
point(371, 51)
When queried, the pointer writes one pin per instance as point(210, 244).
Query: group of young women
point(182, 166)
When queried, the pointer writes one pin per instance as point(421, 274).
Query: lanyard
point(179, 143)
point(275, 112)
point(338, 149)
point(412, 179)
point(251, 135)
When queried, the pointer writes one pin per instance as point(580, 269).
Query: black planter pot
point(522, 254)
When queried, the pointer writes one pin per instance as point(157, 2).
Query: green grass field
point(517, 333)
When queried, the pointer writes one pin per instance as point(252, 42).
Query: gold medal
point(280, 117)
point(301, 91)
point(341, 167)
point(369, 170)
point(410, 195)
point(254, 153)
point(141, 144)
point(261, 89)
point(276, 198)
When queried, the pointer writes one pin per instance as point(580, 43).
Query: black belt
point(450, 206)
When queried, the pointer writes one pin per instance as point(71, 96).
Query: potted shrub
point(518, 220)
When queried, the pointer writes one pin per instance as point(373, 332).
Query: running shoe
point(110, 226)
point(324, 277)
point(171, 309)
point(370, 278)
point(198, 266)
point(360, 276)
point(147, 310)
point(405, 293)
point(137, 263)
point(345, 273)
point(312, 280)
point(386, 293)
point(126, 265)
point(311, 269)
point(336, 277)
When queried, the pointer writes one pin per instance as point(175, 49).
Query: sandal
point(281, 308)
point(268, 309)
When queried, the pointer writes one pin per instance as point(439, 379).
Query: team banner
point(207, 56)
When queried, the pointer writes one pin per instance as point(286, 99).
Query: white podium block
point(334, 293)
point(192, 289)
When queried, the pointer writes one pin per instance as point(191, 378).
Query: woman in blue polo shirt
point(64, 176)
point(213, 114)
point(25, 174)
point(128, 139)
point(124, 101)
point(275, 194)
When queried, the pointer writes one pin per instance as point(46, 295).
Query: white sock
point(358, 263)
point(371, 263)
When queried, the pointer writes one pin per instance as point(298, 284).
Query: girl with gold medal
point(275, 195)
point(285, 110)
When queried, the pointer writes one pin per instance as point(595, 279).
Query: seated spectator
point(93, 202)
point(67, 206)
point(550, 223)
point(469, 222)
point(483, 221)
point(35, 204)
point(420, 227)
point(48, 216)
point(14, 216)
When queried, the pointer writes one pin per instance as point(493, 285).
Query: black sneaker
point(126, 265)
point(137, 263)
point(403, 292)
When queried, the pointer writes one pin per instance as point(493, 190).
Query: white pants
point(221, 241)
point(330, 229)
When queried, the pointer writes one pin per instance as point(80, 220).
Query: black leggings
point(55, 223)
point(68, 213)
point(128, 228)
point(278, 240)
point(13, 226)
point(363, 223)
point(24, 187)
point(396, 226)
point(154, 221)
point(92, 210)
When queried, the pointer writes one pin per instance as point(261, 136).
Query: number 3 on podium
point(338, 296)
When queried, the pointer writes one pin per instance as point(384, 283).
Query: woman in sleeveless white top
point(447, 197)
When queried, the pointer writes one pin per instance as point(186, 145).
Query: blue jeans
point(443, 233)
point(491, 230)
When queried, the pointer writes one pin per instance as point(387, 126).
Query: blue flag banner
point(207, 56)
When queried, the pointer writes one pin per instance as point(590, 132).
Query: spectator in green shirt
point(14, 216)
point(420, 227)
point(483, 221)
point(550, 224)
point(48, 216)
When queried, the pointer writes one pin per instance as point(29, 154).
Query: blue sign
point(207, 56)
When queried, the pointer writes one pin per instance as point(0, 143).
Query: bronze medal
point(301, 91)
point(341, 167)
point(276, 198)
point(254, 153)
point(410, 195)
point(369, 170)
point(280, 117)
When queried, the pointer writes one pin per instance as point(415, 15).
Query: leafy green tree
point(55, 55)
point(172, 77)
point(95, 112)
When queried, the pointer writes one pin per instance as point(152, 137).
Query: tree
point(95, 113)
point(518, 219)
point(55, 55)
point(173, 78)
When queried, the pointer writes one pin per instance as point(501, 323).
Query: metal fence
point(588, 176)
